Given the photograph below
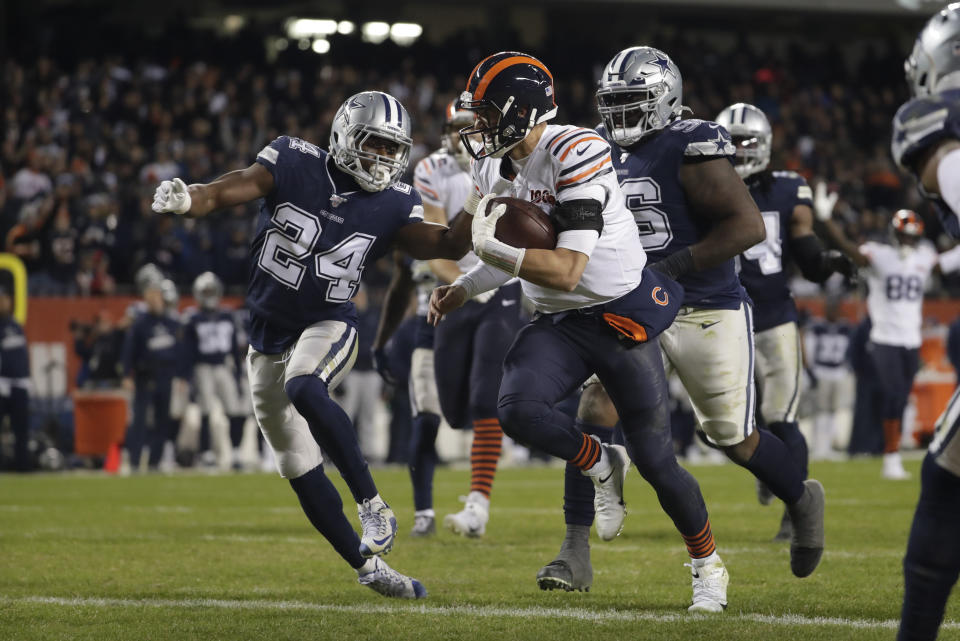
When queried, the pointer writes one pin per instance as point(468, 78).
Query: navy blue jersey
point(152, 346)
point(316, 231)
point(14, 357)
point(210, 336)
point(764, 268)
point(830, 341)
point(920, 124)
point(649, 174)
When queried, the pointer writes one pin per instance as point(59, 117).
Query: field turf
point(232, 557)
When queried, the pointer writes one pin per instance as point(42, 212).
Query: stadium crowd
point(83, 147)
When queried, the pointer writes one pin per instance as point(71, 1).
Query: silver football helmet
point(455, 120)
point(640, 92)
point(171, 297)
point(934, 64)
point(361, 118)
point(751, 133)
point(147, 275)
point(207, 290)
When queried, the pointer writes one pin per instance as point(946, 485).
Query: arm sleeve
point(482, 278)
point(949, 260)
point(427, 182)
point(948, 179)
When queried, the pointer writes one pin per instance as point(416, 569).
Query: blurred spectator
point(152, 356)
point(14, 378)
point(953, 346)
point(99, 345)
point(827, 346)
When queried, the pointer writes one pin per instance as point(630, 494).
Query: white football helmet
point(207, 290)
point(751, 133)
point(640, 92)
point(934, 64)
point(366, 115)
point(455, 120)
point(171, 297)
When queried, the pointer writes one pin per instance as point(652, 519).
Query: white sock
point(429, 513)
point(602, 466)
point(699, 563)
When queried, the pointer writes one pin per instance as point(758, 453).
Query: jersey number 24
point(287, 246)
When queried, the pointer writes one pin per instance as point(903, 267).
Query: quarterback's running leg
point(317, 363)
point(712, 352)
point(546, 363)
point(571, 569)
point(299, 460)
point(778, 368)
point(635, 380)
point(932, 563)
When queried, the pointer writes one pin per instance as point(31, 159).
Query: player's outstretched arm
point(199, 199)
point(395, 301)
point(426, 241)
point(816, 262)
point(823, 203)
point(716, 193)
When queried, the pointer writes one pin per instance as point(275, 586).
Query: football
point(524, 224)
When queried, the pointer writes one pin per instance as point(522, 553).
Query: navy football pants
point(469, 348)
point(551, 357)
point(895, 369)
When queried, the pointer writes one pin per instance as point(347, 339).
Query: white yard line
point(580, 614)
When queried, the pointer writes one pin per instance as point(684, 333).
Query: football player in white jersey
point(897, 275)
point(598, 310)
point(471, 344)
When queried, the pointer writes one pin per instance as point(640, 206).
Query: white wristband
point(502, 256)
point(473, 201)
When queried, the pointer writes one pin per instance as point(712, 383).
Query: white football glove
point(485, 245)
point(171, 195)
point(823, 202)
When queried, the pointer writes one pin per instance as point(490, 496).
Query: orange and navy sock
point(701, 545)
point(588, 455)
point(891, 435)
point(484, 454)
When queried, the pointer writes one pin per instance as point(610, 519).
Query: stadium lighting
point(303, 44)
point(281, 44)
point(233, 23)
point(321, 45)
point(375, 32)
point(345, 27)
point(405, 33)
point(309, 27)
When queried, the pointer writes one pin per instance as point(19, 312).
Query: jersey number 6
point(289, 245)
point(652, 223)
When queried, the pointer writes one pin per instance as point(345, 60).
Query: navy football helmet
point(511, 92)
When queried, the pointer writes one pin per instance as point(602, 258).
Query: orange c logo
point(663, 302)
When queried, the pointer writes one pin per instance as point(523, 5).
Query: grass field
point(232, 557)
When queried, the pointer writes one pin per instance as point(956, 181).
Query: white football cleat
point(472, 519)
point(608, 475)
point(388, 582)
point(379, 527)
point(710, 581)
point(893, 467)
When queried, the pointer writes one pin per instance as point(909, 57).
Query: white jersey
point(569, 163)
point(443, 184)
point(897, 278)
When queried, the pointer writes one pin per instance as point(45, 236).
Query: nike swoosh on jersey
point(706, 325)
point(582, 151)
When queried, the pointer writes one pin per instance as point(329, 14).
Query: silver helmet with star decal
point(640, 92)
point(370, 139)
point(934, 64)
point(751, 133)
